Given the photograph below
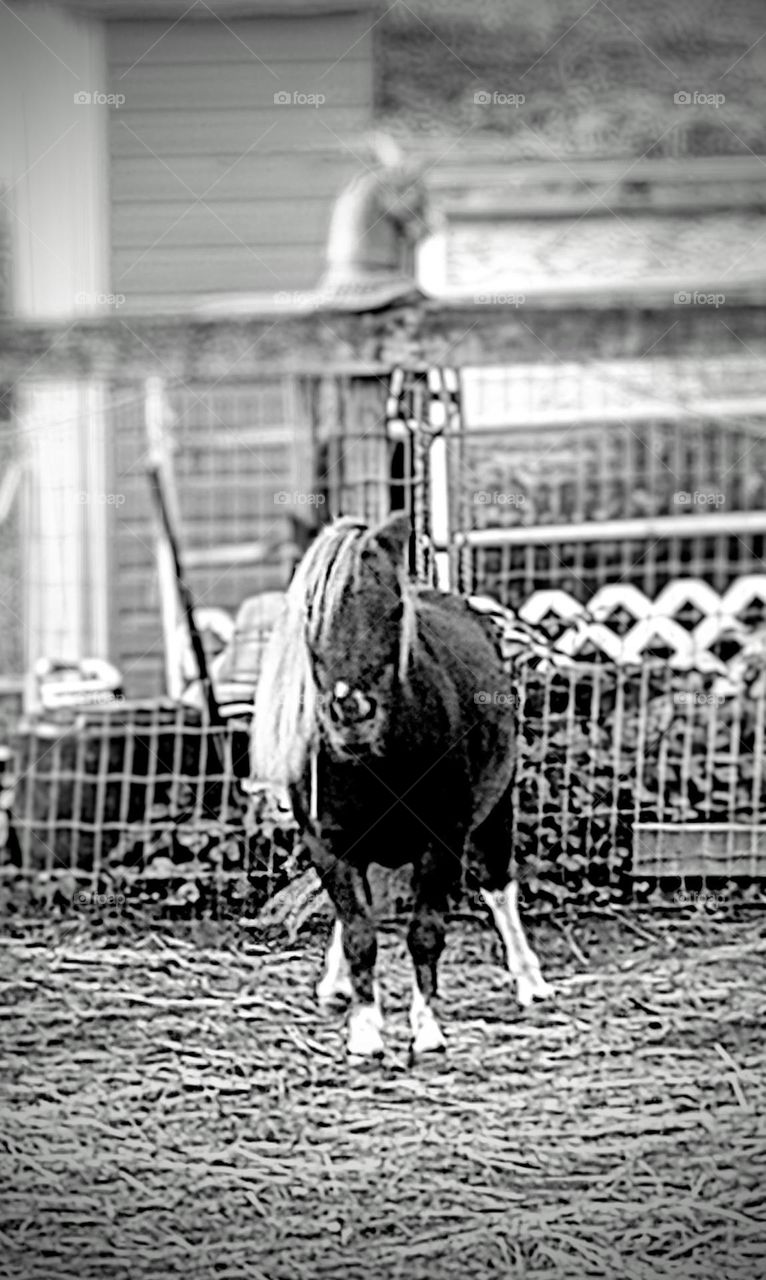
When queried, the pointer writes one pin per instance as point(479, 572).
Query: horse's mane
point(285, 721)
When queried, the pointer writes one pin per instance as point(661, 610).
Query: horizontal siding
point(250, 86)
point(208, 174)
point(142, 180)
point(272, 40)
point(278, 222)
point(191, 273)
point(186, 132)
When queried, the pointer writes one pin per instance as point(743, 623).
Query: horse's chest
point(387, 815)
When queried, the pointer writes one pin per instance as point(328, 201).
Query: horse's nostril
point(350, 706)
point(366, 708)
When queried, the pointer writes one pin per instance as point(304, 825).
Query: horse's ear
point(393, 536)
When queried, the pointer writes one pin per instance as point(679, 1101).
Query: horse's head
point(359, 648)
point(337, 652)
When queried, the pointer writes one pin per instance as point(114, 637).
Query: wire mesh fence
point(635, 768)
point(615, 762)
point(644, 471)
point(145, 801)
point(149, 804)
point(568, 560)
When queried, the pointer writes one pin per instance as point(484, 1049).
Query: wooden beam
point(551, 325)
point(473, 185)
point(225, 10)
point(227, 553)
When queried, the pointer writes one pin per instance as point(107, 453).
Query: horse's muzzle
point(350, 707)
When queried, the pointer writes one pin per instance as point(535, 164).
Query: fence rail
point(418, 333)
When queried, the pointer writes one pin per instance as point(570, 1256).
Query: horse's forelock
point(285, 719)
point(404, 590)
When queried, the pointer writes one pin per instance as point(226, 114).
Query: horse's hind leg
point(521, 959)
point(352, 954)
point(491, 846)
point(425, 939)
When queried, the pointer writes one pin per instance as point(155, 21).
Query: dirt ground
point(173, 1104)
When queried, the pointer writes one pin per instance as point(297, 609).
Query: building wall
point(215, 186)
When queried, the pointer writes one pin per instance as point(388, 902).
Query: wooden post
point(53, 167)
point(65, 504)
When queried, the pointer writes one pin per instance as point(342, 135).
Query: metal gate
point(642, 734)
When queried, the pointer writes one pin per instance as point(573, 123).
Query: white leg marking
point(365, 1024)
point(521, 959)
point(426, 1032)
point(336, 983)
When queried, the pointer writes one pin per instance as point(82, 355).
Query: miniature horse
point(385, 710)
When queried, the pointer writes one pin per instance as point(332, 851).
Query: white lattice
point(656, 623)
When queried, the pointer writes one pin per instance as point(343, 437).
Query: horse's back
point(464, 640)
point(458, 667)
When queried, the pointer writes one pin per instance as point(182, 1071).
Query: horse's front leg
point(335, 985)
point(351, 956)
point(425, 940)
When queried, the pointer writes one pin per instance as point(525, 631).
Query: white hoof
point(531, 987)
point(333, 991)
point(427, 1035)
point(364, 1027)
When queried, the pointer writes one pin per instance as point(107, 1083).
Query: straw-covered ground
point(174, 1105)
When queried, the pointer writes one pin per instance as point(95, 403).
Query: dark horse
point(386, 711)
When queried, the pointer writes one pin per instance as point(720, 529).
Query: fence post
point(352, 446)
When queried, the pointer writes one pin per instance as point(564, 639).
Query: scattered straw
point(176, 1106)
